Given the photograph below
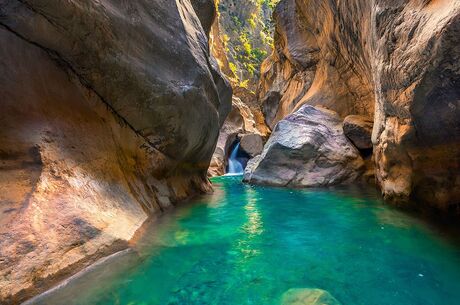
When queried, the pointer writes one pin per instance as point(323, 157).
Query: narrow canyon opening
point(198, 152)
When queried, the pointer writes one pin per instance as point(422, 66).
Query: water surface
point(248, 245)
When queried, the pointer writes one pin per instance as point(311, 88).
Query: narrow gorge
point(233, 152)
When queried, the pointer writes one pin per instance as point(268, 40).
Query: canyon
point(393, 63)
point(110, 114)
point(114, 112)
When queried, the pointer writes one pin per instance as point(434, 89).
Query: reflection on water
point(249, 245)
point(252, 228)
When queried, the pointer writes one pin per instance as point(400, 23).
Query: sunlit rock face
point(394, 61)
point(110, 112)
point(320, 58)
point(243, 34)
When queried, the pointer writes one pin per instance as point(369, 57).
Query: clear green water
point(248, 245)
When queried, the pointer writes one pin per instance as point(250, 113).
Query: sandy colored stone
point(110, 113)
point(394, 62)
point(252, 144)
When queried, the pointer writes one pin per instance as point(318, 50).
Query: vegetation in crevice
point(246, 31)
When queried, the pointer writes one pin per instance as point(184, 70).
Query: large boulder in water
point(308, 296)
point(307, 148)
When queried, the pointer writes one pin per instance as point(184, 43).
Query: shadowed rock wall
point(110, 112)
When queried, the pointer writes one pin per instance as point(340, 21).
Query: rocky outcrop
point(110, 113)
point(308, 296)
point(252, 144)
point(417, 120)
point(319, 58)
point(243, 34)
point(306, 149)
point(241, 37)
point(358, 129)
point(394, 62)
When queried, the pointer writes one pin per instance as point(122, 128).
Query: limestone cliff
point(394, 61)
point(110, 112)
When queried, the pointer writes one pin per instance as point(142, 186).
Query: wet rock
point(307, 148)
point(358, 129)
point(206, 12)
point(252, 144)
point(308, 296)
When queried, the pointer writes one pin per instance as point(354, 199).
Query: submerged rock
point(358, 129)
point(308, 296)
point(307, 148)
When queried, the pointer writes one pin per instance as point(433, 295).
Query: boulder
point(308, 296)
point(250, 166)
point(358, 129)
point(306, 149)
point(252, 144)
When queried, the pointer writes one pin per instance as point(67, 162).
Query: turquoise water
point(248, 245)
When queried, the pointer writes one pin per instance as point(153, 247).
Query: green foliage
point(246, 35)
point(244, 83)
point(232, 67)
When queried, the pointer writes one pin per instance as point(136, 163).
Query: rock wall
point(241, 120)
point(110, 113)
point(320, 58)
point(394, 61)
point(245, 31)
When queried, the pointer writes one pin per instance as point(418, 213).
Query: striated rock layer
point(394, 61)
point(110, 113)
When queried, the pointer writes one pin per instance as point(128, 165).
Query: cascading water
point(234, 165)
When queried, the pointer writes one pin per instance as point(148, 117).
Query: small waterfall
point(234, 165)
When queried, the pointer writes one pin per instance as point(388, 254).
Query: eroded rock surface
point(319, 58)
point(110, 113)
point(306, 149)
point(394, 62)
point(358, 129)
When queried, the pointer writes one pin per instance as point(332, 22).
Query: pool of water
point(248, 245)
